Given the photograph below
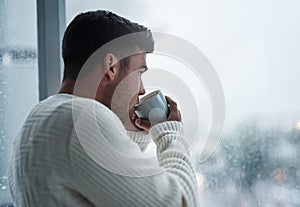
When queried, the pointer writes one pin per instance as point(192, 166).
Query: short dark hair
point(91, 30)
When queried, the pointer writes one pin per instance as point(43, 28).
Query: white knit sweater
point(73, 151)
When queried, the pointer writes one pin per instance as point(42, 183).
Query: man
point(74, 149)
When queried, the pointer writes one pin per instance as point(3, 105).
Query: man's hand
point(130, 125)
point(174, 115)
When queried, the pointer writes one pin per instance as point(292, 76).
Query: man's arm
point(142, 139)
point(114, 182)
point(172, 154)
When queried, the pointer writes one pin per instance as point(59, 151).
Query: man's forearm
point(172, 154)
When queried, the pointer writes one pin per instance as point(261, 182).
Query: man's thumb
point(143, 124)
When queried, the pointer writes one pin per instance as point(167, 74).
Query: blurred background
point(254, 47)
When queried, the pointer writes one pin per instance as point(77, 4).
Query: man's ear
point(110, 66)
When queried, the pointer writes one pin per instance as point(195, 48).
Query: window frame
point(51, 24)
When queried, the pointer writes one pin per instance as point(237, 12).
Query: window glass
point(18, 76)
point(254, 48)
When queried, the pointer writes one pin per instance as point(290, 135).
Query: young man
point(83, 146)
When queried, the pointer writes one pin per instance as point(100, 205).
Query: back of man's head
point(91, 30)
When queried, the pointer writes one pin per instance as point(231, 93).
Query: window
point(254, 47)
point(18, 75)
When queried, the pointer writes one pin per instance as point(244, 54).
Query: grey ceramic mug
point(153, 107)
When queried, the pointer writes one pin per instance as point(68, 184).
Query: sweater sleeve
point(173, 155)
point(123, 177)
point(142, 139)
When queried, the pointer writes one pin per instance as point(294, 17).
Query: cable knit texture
point(51, 164)
point(141, 138)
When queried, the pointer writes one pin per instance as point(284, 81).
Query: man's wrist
point(168, 127)
point(142, 138)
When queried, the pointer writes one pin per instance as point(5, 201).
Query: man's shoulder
point(75, 106)
point(65, 110)
point(66, 103)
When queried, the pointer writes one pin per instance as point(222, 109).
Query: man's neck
point(67, 86)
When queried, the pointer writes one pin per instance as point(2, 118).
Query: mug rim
point(153, 92)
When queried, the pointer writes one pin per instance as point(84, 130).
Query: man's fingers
point(173, 105)
point(143, 124)
point(170, 101)
point(174, 114)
